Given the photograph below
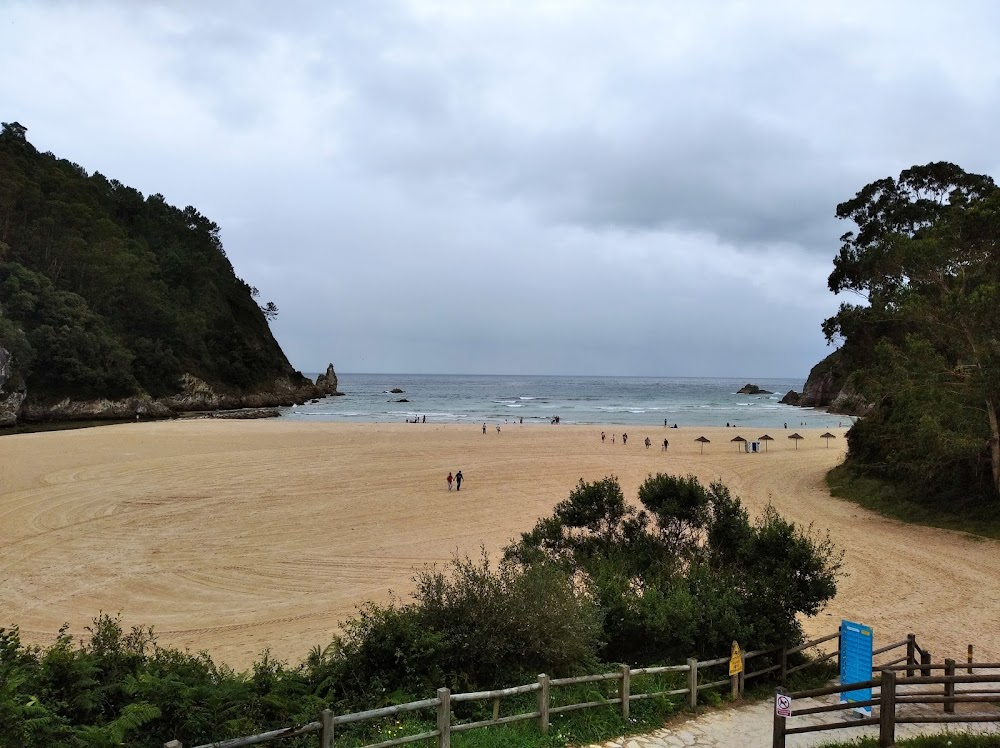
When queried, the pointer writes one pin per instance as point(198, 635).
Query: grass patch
point(888, 500)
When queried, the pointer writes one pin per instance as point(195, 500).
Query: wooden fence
point(896, 689)
point(694, 671)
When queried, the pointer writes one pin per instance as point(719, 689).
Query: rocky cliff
point(10, 397)
point(196, 395)
point(829, 386)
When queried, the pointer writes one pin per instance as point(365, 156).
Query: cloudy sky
point(612, 187)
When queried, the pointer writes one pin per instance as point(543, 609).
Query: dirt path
point(237, 536)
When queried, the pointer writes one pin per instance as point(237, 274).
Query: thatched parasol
point(828, 436)
point(796, 437)
point(737, 439)
point(703, 441)
point(766, 439)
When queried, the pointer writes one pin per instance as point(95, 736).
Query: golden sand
point(236, 536)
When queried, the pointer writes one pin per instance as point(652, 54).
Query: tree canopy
point(926, 262)
point(106, 293)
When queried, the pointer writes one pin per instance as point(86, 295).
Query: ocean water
point(501, 399)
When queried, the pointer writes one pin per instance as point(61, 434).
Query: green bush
point(688, 573)
point(470, 627)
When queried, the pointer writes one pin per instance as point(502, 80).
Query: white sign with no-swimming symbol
point(783, 705)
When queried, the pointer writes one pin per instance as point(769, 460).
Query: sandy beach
point(236, 536)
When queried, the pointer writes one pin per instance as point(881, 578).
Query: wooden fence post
point(444, 718)
point(624, 689)
point(543, 703)
point(778, 733)
point(925, 659)
point(969, 669)
point(783, 670)
point(887, 710)
point(326, 731)
point(911, 654)
point(693, 682)
point(743, 673)
point(949, 688)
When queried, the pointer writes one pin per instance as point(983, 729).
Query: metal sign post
point(783, 705)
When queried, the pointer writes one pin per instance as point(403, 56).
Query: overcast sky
point(548, 187)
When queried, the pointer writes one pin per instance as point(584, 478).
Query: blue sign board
point(856, 661)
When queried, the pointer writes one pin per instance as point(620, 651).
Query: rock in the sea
point(752, 389)
point(247, 413)
point(328, 382)
point(791, 398)
point(396, 391)
point(402, 400)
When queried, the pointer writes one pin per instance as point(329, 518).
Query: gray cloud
point(620, 187)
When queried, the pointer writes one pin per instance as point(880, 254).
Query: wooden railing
point(894, 691)
point(442, 703)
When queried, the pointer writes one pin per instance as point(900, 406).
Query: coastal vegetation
point(106, 293)
point(703, 575)
point(923, 348)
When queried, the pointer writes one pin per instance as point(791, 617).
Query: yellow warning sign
point(736, 660)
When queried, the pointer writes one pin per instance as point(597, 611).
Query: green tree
point(925, 259)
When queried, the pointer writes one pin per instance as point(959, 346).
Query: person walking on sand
point(648, 442)
point(498, 428)
point(449, 479)
point(458, 481)
point(666, 446)
point(602, 436)
point(484, 427)
point(625, 439)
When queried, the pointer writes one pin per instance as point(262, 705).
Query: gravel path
point(751, 725)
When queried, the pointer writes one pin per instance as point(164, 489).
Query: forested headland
point(107, 294)
point(922, 348)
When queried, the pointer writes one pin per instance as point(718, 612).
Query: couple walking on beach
point(457, 478)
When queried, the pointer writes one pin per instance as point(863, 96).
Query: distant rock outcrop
point(196, 395)
point(328, 381)
point(791, 398)
point(829, 386)
point(396, 391)
point(752, 389)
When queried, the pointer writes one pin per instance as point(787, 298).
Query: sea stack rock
point(791, 398)
point(752, 389)
point(328, 382)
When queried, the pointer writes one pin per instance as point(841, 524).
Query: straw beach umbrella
point(738, 439)
point(828, 436)
point(796, 437)
point(703, 441)
point(765, 439)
